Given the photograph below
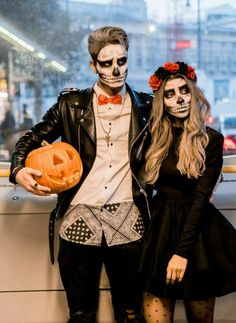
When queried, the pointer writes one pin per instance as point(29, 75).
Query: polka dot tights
point(161, 310)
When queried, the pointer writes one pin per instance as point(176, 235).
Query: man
point(104, 215)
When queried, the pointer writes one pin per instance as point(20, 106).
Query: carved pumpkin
point(59, 163)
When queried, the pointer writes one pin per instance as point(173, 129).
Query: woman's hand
point(25, 178)
point(176, 269)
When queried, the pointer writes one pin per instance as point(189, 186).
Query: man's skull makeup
point(112, 65)
point(177, 98)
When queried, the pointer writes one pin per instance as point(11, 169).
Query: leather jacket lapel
point(139, 118)
point(86, 117)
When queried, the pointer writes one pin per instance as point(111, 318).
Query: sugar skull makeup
point(177, 98)
point(112, 65)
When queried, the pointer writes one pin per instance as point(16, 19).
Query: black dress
point(185, 223)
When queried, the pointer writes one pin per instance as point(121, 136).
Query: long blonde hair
point(194, 139)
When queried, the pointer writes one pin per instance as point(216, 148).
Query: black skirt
point(211, 268)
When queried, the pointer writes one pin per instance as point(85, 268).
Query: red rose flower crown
point(168, 69)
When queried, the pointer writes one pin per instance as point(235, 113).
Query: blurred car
point(226, 124)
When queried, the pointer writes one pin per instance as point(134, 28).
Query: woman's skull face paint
point(177, 98)
point(112, 65)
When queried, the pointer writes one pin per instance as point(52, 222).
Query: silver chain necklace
point(107, 132)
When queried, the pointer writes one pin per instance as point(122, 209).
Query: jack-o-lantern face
point(60, 165)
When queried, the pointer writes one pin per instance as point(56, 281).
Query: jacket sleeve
point(202, 193)
point(48, 129)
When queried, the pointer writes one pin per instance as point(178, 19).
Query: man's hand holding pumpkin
point(25, 178)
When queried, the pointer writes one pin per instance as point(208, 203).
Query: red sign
point(183, 44)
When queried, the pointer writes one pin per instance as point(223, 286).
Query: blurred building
point(208, 41)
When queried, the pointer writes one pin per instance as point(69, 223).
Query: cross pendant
point(107, 138)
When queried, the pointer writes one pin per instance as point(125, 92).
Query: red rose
point(191, 73)
point(154, 82)
point(171, 67)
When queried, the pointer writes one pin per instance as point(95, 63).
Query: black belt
point(51, 229)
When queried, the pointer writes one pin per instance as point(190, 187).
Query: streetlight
point(152, 28)
point(199, 41)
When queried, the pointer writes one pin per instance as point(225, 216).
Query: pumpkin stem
point(44, 143)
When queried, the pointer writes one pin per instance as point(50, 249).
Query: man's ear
point(92, 65)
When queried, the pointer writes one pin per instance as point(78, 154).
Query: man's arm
point(48, 129)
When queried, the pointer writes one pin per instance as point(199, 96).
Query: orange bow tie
point(116, 99)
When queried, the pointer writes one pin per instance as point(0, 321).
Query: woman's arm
point(202, 193)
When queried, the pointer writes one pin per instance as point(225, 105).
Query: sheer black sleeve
point(202, 193)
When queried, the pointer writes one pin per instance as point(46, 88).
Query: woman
point(189, 247)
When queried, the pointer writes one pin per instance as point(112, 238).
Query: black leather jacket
point(72, 120)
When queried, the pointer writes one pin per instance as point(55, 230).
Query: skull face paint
point(112, 66)
point(177, 98)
